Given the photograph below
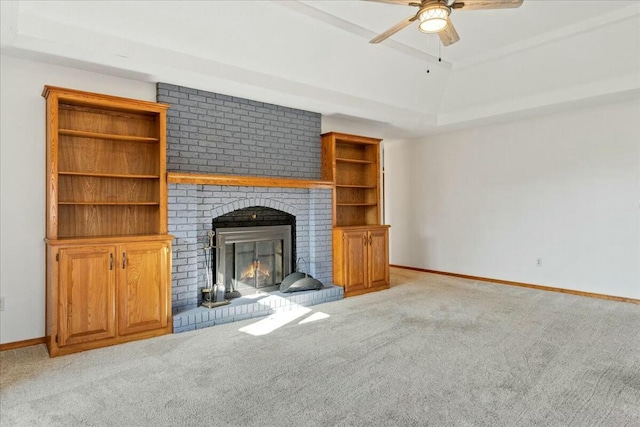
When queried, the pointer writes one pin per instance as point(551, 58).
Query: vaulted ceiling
point(545, 56)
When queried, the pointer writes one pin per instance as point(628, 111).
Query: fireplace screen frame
point(232, 235)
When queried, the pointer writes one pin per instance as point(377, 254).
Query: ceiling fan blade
point(391, 31)
point(449, 35)
point(398, 2)
point(486, 4)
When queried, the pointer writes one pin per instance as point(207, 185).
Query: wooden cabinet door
point(86, 294)
point(355, 260)
point(378, 258)
point(142, 287)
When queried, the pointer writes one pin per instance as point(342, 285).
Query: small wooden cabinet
point(95, 279)
point(86, 294)
point(361, 258)
point(378, 257)
point(142, 287)
point(360, 242)
point(108, 251)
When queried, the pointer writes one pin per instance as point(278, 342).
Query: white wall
point(491, 200)
point(22, 182)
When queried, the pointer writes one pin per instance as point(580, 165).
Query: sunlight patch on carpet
point(274, 321)
point(318, 315)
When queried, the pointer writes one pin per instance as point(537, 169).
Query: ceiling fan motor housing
point(433, 16)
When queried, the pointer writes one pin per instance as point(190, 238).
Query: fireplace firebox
point(252, 258)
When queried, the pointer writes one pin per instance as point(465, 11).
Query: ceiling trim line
point(613, 89)
point(551, 36)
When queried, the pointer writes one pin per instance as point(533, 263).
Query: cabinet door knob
point(370, 240)
point(364, 236)
point(124, 259)
point(110, 261)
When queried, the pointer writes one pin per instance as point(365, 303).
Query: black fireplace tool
point(213, 295)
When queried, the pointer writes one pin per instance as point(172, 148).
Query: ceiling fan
point(433, 16)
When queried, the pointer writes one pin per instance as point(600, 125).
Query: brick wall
point(213, 133)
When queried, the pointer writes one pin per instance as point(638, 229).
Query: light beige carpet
point(432, 350)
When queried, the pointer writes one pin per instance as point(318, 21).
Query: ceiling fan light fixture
point(434, 18)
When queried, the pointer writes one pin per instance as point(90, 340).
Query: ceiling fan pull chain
point(439, 51)
point(428, 58)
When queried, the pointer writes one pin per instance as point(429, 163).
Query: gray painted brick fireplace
point(212, 133)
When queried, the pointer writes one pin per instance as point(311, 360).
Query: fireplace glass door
point(253, 257)
point(255, 264)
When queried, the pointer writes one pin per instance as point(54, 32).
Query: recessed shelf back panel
point(107, 220)
point(78, 188)
point(98, 155)
point(106, 121)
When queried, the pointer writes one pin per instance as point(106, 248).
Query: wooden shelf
point(356, 204)
point(250, 181)
point(110, 136)
point(112, 203)
point(368, 187)
point(357, 161)
point(109, 238)
point(110, 175)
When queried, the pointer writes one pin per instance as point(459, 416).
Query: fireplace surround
point(191, 210)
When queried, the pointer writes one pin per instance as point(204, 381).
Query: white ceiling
point(544, 56)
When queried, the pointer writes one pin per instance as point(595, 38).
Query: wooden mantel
point(244, 181)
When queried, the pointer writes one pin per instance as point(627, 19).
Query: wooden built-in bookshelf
point(360, 241)
point(108, 251)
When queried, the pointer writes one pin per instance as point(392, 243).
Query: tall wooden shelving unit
point(360, 241)
point(108, 251)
